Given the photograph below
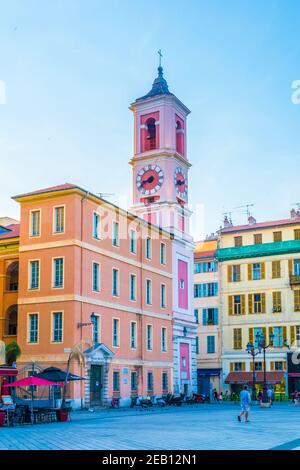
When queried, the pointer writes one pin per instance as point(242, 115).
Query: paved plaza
point(200, 427)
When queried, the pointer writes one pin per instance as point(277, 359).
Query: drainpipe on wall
point(84, 198)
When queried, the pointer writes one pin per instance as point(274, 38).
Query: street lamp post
point(253, 351)
point(262, 346)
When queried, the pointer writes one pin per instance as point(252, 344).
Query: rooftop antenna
point(104, 195)
point(296, 204)
point(247, 209)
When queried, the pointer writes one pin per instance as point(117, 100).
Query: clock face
point(180, 182)
point(149, 179)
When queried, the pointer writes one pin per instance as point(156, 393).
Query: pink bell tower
point(160, 196)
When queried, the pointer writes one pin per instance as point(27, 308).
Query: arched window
point(151, 134)
point(179, 138)
point(12, 276)
point(12, 320)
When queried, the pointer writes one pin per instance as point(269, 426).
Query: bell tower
point(160, 165)
point(160, 196)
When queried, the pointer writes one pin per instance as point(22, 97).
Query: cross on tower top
point(160, 56)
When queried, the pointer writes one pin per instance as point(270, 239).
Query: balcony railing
point(294, 280)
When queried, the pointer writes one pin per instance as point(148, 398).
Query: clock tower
point(160, 196)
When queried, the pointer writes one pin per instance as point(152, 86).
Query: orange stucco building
point(95, 277)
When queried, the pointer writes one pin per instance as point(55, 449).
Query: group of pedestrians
point(245, 400)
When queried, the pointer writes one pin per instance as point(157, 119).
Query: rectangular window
point(115, 234)
point(59, 219)
point(34, 274)
point(150, 381)
point(297, 300)
point(297, 234)
point(210, 316)
point(258, 366)
point(277, 305)
point(96, 277)
point(278, 365)
point(116, 332)
point(149, 337)
point(148, 292)
point(57, 322)
point(238, 366)
point(257, 303)
point(132, 287)
point(278, 337)
point(237, 338)
point(296, 269)
point(236, 305)
point(205, 267)
point(256, 271)
point(164, 339)
point(209, 289)
point(133, 335)
point(297, 335)
point(276, 269)
point(277, 236)
point(148, 248)
point(115, 282)
point(238, 241)
point(95, 327)
point(96, 226)
point(196, 315)
point(132, 241)
point(133, 381)
point(33, 328)
point(211, 345)
point(58, 272)
point(116, 381)
point(165, 384)
point(162, 253)
point(258, 239)
point(236, 273)
point(35, 223)
point(163, 296)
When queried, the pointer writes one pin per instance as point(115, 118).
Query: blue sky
point(71, 68)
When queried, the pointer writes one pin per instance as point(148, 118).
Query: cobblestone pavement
point(199, 427)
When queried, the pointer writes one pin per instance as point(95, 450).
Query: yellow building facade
point(259, 269)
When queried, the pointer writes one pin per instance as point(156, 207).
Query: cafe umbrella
point(31, 382)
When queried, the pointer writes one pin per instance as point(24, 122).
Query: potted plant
point(12, 352)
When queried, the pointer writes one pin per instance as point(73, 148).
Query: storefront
point(293, 361)
point(276, 380)
point(208, 380)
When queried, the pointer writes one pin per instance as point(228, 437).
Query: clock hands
point(149, 180)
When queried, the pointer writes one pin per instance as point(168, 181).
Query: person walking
point(269, 395)
point(245, 404)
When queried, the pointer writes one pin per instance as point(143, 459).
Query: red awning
point(247, 377)
point(8, 371)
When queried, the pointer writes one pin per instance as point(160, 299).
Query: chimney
point(227, 223)
point(251, 220)
point(294, 214)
